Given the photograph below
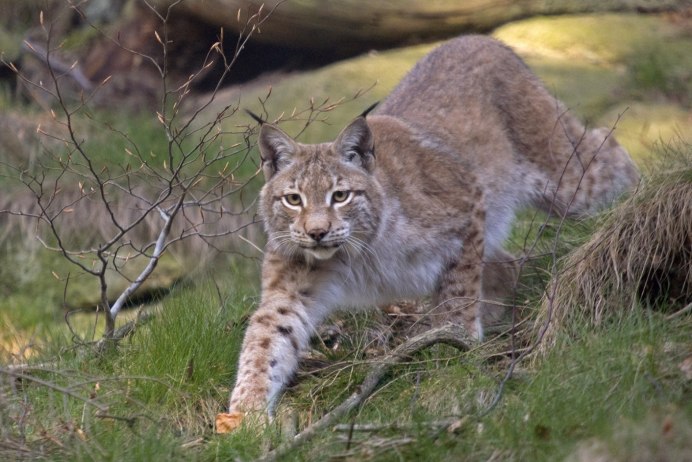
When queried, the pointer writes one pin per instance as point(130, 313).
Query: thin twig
point(370, 427)
point(72, 70)
point(65, 391)
point(679, 313)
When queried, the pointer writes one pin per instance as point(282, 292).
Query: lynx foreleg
point(459, 291)
point(278, 331)
point(499, 286)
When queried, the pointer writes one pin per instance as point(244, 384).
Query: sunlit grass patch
point(663, 68)
point(646, 128)
point(607, 39)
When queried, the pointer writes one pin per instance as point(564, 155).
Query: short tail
point(597, 171)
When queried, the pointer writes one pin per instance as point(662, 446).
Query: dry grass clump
point(640, 255)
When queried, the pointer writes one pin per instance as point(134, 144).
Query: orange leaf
point(228, 422)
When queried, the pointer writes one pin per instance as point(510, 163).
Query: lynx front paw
point(227, 422)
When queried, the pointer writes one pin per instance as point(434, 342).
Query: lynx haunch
point(414, 201)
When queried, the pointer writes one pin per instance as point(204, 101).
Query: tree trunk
point(358, 24)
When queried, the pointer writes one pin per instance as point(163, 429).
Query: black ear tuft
point(356, 144)
point(369, 109)
point(276, 149)
point(257, 118)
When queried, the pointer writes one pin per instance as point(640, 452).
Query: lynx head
point(319, 199)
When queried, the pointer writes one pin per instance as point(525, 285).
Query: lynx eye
point(293, 199)
point(340, 196)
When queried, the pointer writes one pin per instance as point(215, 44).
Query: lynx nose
point(317, 234)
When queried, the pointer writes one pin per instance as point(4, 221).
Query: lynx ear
point(276, 149)
point(356, 144)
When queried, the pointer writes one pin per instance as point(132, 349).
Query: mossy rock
point(360, 24)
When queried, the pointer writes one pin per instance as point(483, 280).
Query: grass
point(638, 255)
point(166, 382)
point(664, 68)
point(163, 387)
point(599, 38)
point(584, 389)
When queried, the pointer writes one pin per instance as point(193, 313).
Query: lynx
point(415, 200)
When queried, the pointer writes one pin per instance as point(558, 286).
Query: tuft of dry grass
point(640, 255)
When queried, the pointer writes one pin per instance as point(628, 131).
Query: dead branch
point(146, 272)
point(72, 70)
point(448, 334)
point(450, 423)
point(124, 331)
point(65, 391)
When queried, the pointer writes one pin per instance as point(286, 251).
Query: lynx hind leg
point(613, 172)
point(498, 287)
point(459, 294)
point(598, 171)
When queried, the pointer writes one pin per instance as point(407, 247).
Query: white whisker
point(366, 250)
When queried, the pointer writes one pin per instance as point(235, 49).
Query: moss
point(606, 39)
point(664, 69)
point(642, 126)
point(372, 76)
point(10, 45)
point(80, 38)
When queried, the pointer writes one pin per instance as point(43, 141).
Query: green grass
point(589, 388)
point(164, 386)
point(665, 68)
point(600, 38)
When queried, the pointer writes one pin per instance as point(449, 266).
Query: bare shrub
point(118, 217)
